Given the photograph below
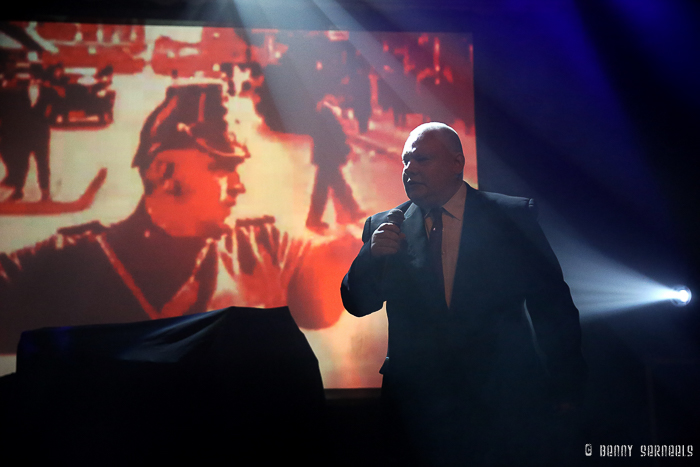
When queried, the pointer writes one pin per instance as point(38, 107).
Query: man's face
point(194, 193)
point(431, 172)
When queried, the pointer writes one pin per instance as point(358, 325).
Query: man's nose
point(234, 186)
point(237, 189)
point(409, 168)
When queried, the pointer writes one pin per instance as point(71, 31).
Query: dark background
point(592, 108)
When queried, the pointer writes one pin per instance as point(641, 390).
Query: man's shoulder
point(64, 240)
point(89, 228)
point(503, 201)
point(69, 250)
point(516, 207)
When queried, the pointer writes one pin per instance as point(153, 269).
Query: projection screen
point(318, 120)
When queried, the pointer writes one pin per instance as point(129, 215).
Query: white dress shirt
point(452, 219)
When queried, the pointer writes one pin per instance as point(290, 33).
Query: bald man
point(484, 338)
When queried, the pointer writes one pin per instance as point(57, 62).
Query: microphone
point(396, 217)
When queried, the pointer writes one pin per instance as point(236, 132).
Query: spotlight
point(680, 296)
point(599, 285)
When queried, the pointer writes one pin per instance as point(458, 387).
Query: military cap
point(192, 115)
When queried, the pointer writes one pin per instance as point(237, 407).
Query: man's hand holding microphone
point(386, 240)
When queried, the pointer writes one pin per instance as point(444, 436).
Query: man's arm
point(554, 317)
point(263, 262)
point(21, 290)
point(361, 287)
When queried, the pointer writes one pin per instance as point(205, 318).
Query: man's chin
point(215, 231)
point(415, 193)
point(204, 230)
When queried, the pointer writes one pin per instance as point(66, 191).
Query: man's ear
point(459, 163)
point(159, 175)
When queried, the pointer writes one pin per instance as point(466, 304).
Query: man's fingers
point(283, 246)
point(379, 250)
point(387, 234)
point(389, 227)
point(252, 237)
point(259, 244)
point(294, 255)
point(386, 240)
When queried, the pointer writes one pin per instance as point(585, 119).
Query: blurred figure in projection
point(6, 93)
point(387, 96)
point(174, 255)
point(360, 91)
point(25, 114)
point(240, 101)
point(57, 82)
point(330, 153)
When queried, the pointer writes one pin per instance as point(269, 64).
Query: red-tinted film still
point(157, 171)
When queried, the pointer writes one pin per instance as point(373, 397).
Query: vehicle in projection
point(84, 95)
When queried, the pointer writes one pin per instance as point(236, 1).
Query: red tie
point(435, 244)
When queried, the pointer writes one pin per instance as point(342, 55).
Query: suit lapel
point(470, 254)
point(416, 238)
point(418, 256)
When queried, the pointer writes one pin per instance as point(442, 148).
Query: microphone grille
point(395, 216)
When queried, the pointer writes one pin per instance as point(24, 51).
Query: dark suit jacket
point(512, 330)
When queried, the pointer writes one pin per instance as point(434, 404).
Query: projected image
point(157, 171)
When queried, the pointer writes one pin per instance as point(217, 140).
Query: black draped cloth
point(237, 384)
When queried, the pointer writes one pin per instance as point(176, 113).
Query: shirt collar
point(455, 206)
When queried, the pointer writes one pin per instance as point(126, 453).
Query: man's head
point(433, 164)
point(188, 162)
point(189, 193)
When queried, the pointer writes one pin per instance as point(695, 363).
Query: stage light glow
point(680, 295)
point(602, 286)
